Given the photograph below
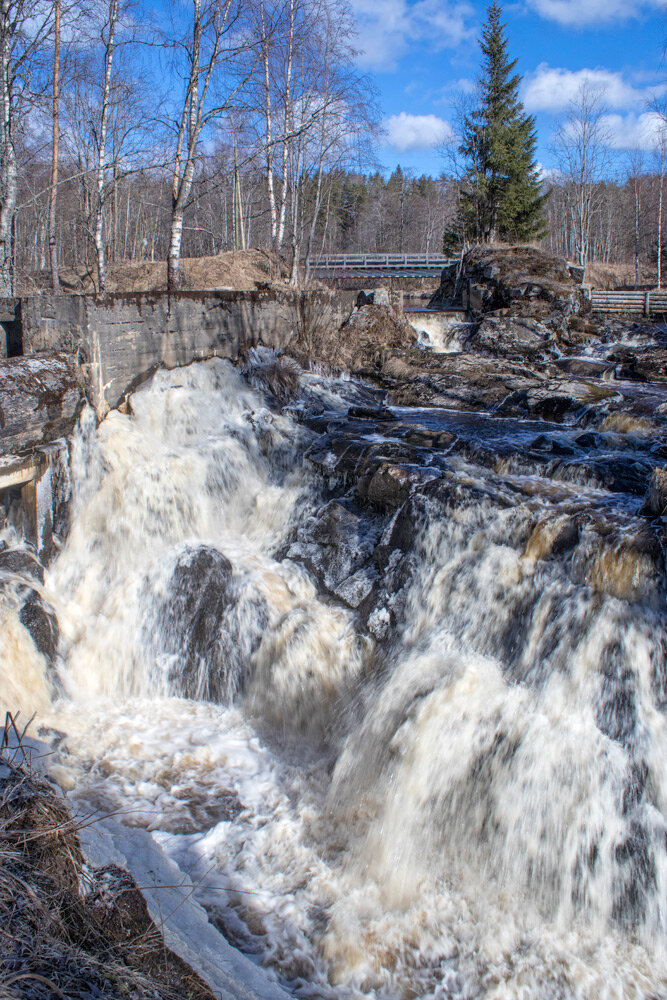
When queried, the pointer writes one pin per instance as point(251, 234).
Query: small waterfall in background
point(454, 790)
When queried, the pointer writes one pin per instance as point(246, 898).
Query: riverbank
point(372, 647)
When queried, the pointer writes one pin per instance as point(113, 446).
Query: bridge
point(425, 265)
point(379, 265)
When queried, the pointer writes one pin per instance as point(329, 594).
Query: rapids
point(411, 750)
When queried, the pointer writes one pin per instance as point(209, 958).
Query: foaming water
point(195, 490)
point(440, 332)
point(474, 809)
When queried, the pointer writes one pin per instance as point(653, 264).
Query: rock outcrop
point(523, 279)
point(40, 399)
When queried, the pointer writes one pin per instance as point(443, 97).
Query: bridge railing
point(378, 261)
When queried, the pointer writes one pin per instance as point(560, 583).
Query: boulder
point(40, 620)
point(374, 297)
point(656, 500)
point(40, 399)
point(207, 641)
point(336, 546)
point(511, 337)
point(389, 487)
point(526, 280)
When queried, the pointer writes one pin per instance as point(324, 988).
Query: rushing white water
point(475, 810)
point(441, 332)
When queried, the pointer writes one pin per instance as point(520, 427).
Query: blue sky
point(422, 53)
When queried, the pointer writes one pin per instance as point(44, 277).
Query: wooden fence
point(633, 303)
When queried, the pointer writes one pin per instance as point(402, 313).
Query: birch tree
point(660, 157)
point(25, 28)
point(582, 148)
point(214, 40)
point(53, 245)
point(108, 39)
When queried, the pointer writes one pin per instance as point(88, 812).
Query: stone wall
point(119, 340)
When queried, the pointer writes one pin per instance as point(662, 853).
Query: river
point(388, 683)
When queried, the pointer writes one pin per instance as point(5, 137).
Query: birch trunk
point(101, 160)
point(8, 170)
point(280, 235)
point(53, 247)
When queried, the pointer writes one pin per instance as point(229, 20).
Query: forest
point(131, 134)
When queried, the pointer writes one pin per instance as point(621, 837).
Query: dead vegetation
point(357, 345)
point(67, 931)
point(242, 270)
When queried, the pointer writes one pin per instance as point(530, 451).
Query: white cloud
point(577, 13)
point(548, 173)
point(552, 89)
point(388, 29)
point(405, 131)
point(633, 131)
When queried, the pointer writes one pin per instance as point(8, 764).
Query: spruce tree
point(501, 197)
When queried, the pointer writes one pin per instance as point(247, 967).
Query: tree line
point(121, 121)
point(131, 134)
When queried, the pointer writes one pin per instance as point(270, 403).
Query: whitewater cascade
point(462, 795)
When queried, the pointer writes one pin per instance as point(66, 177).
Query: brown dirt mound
point(67, 931)
point(238, 269)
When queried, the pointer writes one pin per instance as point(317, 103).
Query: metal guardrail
point(384, 263)
point(636, 303)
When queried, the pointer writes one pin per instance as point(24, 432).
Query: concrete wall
point(120, 339)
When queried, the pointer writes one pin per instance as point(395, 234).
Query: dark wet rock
point(336, 546)
point(635, 786)
point(371, 413)
point(656, 500)
point(399, 535)
point(197, 627)
point(388, 487)
point(511, 337)
point(636, 876)
point(583, 367)
point(640, 363)
point(526, 280)
point(21, 562)
point(454, 381)
point(449, 289)
point(40, 620)
point(628, 565)
point(616, 713)
point(552, 444)
point(20, 573)
point(552, 537)
point(616, 473)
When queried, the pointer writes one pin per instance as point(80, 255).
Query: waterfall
point(469, 804)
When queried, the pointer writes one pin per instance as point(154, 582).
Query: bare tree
point(660, 158)
point(24, 30)
point(215, 39)
point(582, 148)
point(109, 44)
point(635, 176)
point(53, 246)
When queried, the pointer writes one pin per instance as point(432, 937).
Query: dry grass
point(238, 269)
point(611, 276)
point(66, 930)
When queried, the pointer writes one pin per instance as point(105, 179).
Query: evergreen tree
point(501, 197)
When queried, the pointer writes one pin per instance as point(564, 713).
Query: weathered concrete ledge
point(75, 347)
point(119, 339)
